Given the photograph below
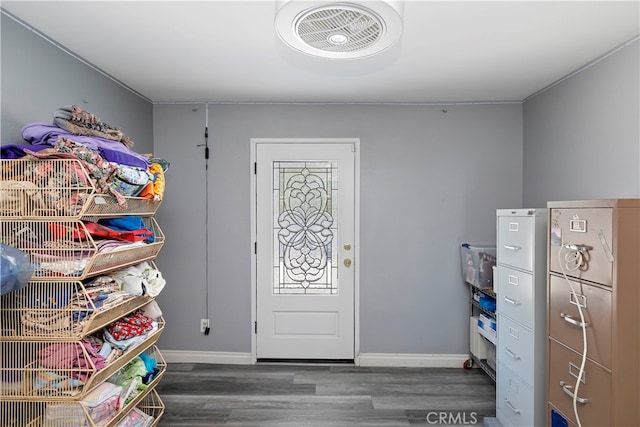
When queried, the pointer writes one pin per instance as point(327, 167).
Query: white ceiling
point(227, 51)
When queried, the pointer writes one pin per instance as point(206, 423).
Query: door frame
point(356, 244)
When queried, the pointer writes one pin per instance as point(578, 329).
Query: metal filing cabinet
point(604, 235)
point(521, 310)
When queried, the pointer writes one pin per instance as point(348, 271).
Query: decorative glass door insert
point(305, 227)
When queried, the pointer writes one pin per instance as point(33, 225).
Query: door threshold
point(279, 361)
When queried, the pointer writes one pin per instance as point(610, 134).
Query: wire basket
point(56, 413)
point(60, 371)
point(46, 188)
point(64, 311)
point(63, 250)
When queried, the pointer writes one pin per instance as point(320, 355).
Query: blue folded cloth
point(125, 223)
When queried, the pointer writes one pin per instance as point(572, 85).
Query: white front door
point(305, 230)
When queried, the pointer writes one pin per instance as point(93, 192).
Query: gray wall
point(429, 180)
point(38, 77)
point(582, 136)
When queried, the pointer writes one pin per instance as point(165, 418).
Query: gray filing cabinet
point(520, 287)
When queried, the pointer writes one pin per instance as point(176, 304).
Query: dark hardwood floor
point(323, 395)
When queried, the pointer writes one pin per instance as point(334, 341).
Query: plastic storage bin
point(487, 327)
point(477, 264)
point(487, 303)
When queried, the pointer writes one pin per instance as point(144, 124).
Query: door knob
point(347, 262)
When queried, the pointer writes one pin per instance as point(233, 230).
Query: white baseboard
point(222, 357)
point(412, 360)
point(364, 359)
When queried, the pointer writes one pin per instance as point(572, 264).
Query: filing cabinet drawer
point(515, 298)
point(515, 242)
point(514, 398)
point(596, 388)
point(515, 348)
point(590, 227)
point(564, 318)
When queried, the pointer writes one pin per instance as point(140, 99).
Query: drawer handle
point(512, 248)
point(566, 388)
point(511, 301)
point(511, 353)
point(510, 405)
point(570, 319)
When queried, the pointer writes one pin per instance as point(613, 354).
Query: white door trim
point(356, 264)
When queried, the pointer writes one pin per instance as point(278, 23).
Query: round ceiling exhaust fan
point(342, 30)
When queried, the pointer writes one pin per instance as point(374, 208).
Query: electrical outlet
point(204, 324)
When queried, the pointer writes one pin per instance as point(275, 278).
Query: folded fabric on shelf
point(103, 402)
point(53, 380)
point(126, 344)
point(155, 188)
point(100, 171)
point(130, 326)
point(71, 357)
point(136, 418)
point(16, 151)
point(81, 122)
point(47, 134)
point(64, 414)
point(127, 223)
point(140, 279)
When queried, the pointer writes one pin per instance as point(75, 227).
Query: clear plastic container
point(477, 264)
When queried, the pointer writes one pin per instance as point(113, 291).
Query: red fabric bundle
point(130, 326)
point(60, 231)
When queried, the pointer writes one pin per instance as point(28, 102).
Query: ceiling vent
point(344, 30)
